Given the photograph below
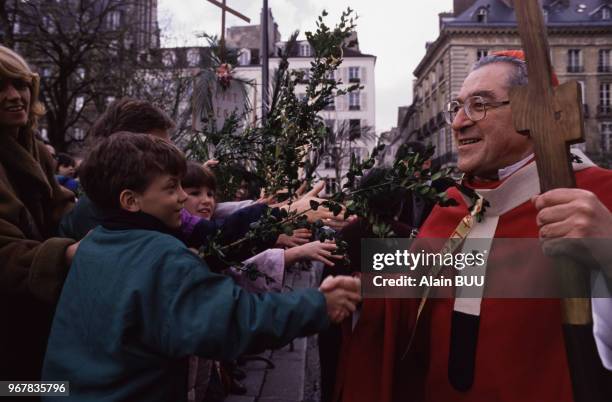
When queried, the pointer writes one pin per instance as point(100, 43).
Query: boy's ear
point(129, 201)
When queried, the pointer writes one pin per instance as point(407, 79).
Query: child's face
point(66, 170)
point(164, 199)
point(200, 201)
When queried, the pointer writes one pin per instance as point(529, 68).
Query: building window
point(605, 13)
point(169, 58)
point(16, 25)
point(480, 53)
point(354, 74)
point(79, 102)
point(604, 94)
point(357, 153)
point(574, 61)
point(331, 186)
point(482, 15)
point(245, 57)
point(441, 70)
point(79, 134)
point(604, 61)
point(354, 129)
point(328, 163)
point(354, 103)
point(193, 57)
point(113, 20)
point(254, 56)
point(606, 136)
point(604, 99)
point(305, 50)
point(47, 24)
point(329, 125)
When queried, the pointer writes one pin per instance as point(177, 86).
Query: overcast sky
point(393, 31)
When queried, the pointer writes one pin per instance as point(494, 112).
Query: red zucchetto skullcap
point(519, 54)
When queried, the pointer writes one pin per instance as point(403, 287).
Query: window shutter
point(338, 103)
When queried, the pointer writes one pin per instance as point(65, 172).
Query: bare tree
point(170, 89)
point(8, 20)
point(340, 146)
point(85, 52)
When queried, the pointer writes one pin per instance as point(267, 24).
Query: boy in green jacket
point(137, 302)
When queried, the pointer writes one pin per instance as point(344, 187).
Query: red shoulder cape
point(520, 355)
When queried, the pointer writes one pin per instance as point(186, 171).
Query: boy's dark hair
point(127, 161)
point(127, 114)
point(199, 176)
point(64, 160)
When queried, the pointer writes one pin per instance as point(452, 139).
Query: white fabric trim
point(602, 319)
point(520, 187)
point(508, 170)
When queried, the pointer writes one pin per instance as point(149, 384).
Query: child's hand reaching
point(315, 250)
point(342, 293)
point(299, 237)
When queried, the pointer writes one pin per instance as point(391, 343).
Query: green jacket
point(137, 303)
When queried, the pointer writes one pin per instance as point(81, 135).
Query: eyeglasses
point(17, 83)
point(475, 108)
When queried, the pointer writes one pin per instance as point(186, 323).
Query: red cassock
point(520, 355)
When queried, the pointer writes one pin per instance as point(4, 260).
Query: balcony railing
point(604, 69)
point(354, 107)
point(604, 111)
point(575, 69)
point(355, 80)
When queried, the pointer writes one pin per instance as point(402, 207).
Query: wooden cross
point(225, 8)
point(553, 118)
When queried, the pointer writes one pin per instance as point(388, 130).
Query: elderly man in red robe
point(485, 349)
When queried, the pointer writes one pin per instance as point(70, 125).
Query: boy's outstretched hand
point(342, 293)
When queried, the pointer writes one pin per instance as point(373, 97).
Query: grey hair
point(519, 77)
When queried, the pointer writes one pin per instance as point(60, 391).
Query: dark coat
point(32, 265)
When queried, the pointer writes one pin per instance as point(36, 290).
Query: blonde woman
point(33, 263)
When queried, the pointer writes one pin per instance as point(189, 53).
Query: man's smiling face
point(492, 143)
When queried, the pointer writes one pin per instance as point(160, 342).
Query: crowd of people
point(102, 283)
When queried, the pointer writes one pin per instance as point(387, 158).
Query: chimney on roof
point(352, 42)
point(459, 6)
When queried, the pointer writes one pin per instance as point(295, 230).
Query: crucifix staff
point(553, 118)
point(224, 9)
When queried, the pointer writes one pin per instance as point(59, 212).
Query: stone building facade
point(580, 37)
point(355, 112)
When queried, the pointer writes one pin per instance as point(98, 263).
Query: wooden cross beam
point(224, 9)
point(553, 118)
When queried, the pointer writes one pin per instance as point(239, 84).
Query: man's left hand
point(570, 213)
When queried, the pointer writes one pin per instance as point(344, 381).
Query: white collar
point(509, 170)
